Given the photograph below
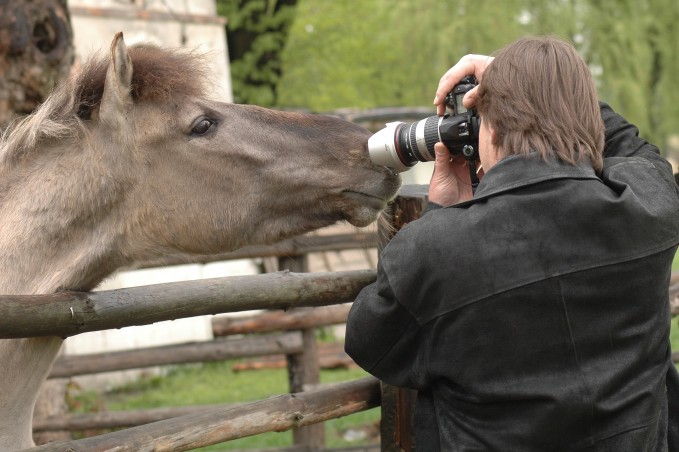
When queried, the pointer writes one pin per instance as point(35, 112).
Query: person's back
point(552, 336)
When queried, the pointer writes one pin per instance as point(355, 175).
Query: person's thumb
point(441, 164)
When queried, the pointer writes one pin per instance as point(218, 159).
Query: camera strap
point(473, 174)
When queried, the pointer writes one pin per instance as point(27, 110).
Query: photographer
point(532, 315)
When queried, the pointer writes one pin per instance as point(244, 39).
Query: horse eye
point(202, 126)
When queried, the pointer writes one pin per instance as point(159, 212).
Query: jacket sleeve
point(623, 145)
point(621, 139)
point(384, 338)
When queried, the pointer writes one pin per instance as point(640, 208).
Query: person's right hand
point(468, 65)
point(450, 182)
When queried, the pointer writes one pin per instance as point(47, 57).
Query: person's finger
point(469, 99)
point(452, 77)
point(447, 82)
point(442, 161)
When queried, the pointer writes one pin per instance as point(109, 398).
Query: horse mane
point(159, 74)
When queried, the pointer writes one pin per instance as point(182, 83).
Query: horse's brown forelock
point(159, 74)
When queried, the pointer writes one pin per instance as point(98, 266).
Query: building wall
point(175, 23)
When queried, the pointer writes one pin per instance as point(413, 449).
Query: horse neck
point(25, 365)
point(44, 247)
point(59, 223)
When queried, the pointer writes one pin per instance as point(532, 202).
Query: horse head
point(207, 176)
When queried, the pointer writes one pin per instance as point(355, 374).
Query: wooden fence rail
point(298, 319)
point(273, 345)
point(70, 313)
point(215, 425)
point(295, 246)
point(114, 419)
point(194, 352)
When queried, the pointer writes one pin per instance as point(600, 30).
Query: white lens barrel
point(382, 148)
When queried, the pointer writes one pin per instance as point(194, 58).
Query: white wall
point(174, 23)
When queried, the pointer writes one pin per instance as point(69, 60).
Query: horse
point(129, 160)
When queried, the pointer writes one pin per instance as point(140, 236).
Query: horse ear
point(117, 97)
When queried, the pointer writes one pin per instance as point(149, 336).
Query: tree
point(384, 53)
point(632, 46)
point(36, 50)
point(256, 34)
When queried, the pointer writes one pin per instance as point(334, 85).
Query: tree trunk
point(36, 51)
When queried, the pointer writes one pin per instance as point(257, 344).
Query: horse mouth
point(365, 207)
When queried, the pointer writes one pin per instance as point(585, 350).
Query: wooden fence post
point(304, 369)
point(398, 404)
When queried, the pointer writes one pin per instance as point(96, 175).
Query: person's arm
point(633, 164)
point(621, 139)
point(384, 338)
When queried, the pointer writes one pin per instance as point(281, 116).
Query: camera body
point(400, 146)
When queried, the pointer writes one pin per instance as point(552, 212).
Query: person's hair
point(538, 96)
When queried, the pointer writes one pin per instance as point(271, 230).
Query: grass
point(214, 383)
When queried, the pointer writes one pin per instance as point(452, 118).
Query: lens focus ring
point(422, 136)
point(412, 141)
point(431, 135)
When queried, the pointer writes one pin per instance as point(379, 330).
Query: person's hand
point(468, 65)
point(450, 183)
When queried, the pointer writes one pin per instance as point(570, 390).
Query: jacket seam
point(585, 386)
point(662, 247)
point(593, 441)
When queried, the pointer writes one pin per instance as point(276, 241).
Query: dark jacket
point(535, 317)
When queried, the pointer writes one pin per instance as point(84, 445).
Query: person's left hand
point(450, 183)
point(468, 65)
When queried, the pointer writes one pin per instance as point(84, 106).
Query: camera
point(400, 146)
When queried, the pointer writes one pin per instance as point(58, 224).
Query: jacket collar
point(518, 171)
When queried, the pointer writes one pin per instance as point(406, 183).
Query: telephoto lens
point(400, 146)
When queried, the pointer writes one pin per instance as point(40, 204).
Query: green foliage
point(630, 42)
point(256, 34)
point(376, 53)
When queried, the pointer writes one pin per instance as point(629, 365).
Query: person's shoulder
point(650, 173)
